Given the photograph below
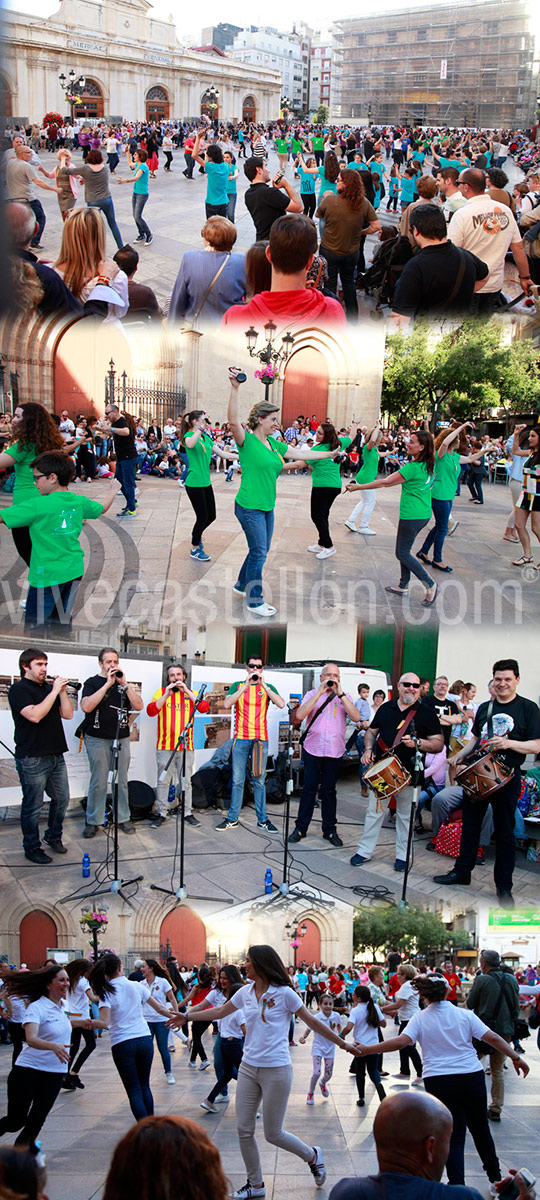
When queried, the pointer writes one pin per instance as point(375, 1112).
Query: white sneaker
point(310, 1099)
point(222, 1099)
point(238, 591)
point(327, 552)
point(248, 1191)
point(314, 549)
point(204, 1065)
point(170, 1077)
point(351, 525)
point(452, 526)
point(208, 1106)
point(317, 1168)
point(367, 530)
point(193, 1065)
point(263, 610)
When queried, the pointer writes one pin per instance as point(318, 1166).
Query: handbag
point(448, 840)
point(534, 1016)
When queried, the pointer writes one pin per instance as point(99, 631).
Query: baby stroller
point(381, 277)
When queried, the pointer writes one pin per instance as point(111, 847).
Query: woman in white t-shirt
point(78, 1003)
point(229, 977)
point(265, 1073)
point(406, 1005)
point(366, 1019)
point(121, 1003)
point(35, 1080)
point(452, 1070)
point(158, 984)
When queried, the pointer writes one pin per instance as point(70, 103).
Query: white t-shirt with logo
point(267, 1024)
point(126, 1004)
point(445, 1035)
point(78, 1004)
point(158, 991)
point(363, 1031)
point(411, 1001)
point(54, 1025)
point(322, 1047)
point(487, 229)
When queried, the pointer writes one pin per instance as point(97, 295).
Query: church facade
point(134, 67)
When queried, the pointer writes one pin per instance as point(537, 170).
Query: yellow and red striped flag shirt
point(250, 715)
point(172, 719)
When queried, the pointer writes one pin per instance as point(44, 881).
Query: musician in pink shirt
point(325, 710)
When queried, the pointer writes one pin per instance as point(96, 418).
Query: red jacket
point(283, 307)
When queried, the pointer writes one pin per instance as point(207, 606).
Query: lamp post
point(285, 106)
point(211, 100)
point(439, 393)
point(71, 86)
point(295, 933)
point(271, 356)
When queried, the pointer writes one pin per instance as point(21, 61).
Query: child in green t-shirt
point(55, 519)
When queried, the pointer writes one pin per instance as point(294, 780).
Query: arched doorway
point(305, 386)
point(157, 105)
point(91, 101)
point(37, 932)
point(186, 934)
point(249, 109)
point(309, 949)
point(6, 100)
point(209, 104)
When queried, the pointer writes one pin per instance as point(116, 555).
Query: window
point(392, 36)
point(419, 79)
point(492, 27)
point(361, 39)
point(452, 30)
point(421, 35)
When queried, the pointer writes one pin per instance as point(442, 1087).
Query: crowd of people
point(43, 456)
point(453, 1015)
point(443, 253)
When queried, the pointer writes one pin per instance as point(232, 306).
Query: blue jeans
point(407, 531)
point(45, 774)
point(429, 790)
point(138, 203)
point(345, 266)
point(45, 606)
point(125, 471)
point(231, 207)
point(441, 511)
point(99, 757)
point(258, 527)
point(133, 1060)
point(216, 210)
point(219, 1066)
point(37, 209)
point(240, 754)
point(107, 208)
point(185, 465)
point(159, 1031)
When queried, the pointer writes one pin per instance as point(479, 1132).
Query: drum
point(387, 776)
point(482, 775)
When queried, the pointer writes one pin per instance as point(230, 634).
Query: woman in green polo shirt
point(367, 474)
point(34, 431)
point(451, 452)
point(200, 447)
point(415, 479)
point(326, 484)
point(262, 458)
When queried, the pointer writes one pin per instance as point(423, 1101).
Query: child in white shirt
point(366, 1019)
point(322, 1048)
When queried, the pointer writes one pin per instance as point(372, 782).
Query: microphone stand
point(181, 892)
point(117, 883)
point(417, 767)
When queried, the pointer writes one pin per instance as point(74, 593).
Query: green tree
point(322, 114)
point(414, 930)
point(464, 372)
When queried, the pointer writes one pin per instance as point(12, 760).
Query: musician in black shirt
point(106, 700)
point(514, 732)
point(388, 723)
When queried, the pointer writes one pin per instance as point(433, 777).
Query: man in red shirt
point(453, 981)
point(173, 707)
point(291, 250)
point(188, 155)
point(250, 699)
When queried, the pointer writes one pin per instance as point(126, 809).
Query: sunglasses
point(405, 683)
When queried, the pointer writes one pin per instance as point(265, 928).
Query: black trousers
point(17, 1035)
point(322, 499)
point(197, 1048)
point(465, 1096)
point(23, 542)
point(503, 806)
point(31, 1095)
point(89, 1047)
point(203, 502)
point(409, 1055)
point(370, 1064)
point(321, 772)
point(309, 200)
point(231, 1055)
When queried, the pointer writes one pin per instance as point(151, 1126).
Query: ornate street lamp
point(271, 356)
point(72, 88)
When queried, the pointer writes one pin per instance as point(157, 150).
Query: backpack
point(382, 276)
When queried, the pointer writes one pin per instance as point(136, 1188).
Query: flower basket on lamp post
point(93, 922)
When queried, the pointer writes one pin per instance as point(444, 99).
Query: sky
point(242, 12)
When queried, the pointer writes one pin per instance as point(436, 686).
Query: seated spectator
point(209, 280)
point(54, 296)
point(166, 1157)
point(440, 278)
point(143, 302)
point(291, 250)
point(83, 267)
point(427, 191)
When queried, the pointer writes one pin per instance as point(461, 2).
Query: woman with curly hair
point(348, 217)
point(33, 431)
point(167, 1157)
point(452, 1070)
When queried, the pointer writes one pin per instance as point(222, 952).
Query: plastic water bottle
point(86, 866)
point(268, 882)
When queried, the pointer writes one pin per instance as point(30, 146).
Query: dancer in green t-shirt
point(200, 447)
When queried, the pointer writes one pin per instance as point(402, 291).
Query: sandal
point(521, 562)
